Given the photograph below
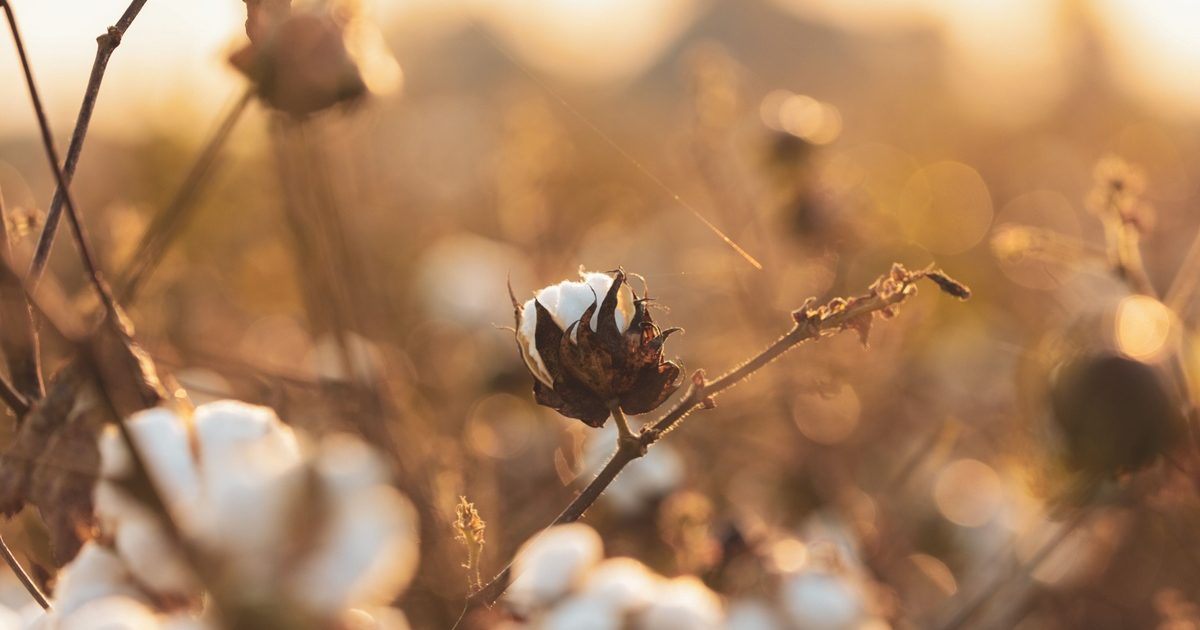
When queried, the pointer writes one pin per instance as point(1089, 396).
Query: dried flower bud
point(298, 60)
point(588, 353)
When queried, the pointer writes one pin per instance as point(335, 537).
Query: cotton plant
point(563, 582)
point(595, 352)
point(266, 526)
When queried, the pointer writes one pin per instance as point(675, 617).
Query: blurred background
point(350, 270)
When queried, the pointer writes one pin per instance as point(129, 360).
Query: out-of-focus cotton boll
point(816, 600)
point(10, 619)
point(583, 613)
point(378, 618)
point(95, 573)
point(110, 613)
point(368, 550)
point(237, 482)
point(644, 480)
point(683, 603)
point(752, 615)
point(330, 357)
point(462, 278)
point(623, 583)
point(551, 564)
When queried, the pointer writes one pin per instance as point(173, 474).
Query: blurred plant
point(230, 467)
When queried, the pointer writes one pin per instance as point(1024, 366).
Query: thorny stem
point(811, 323)
point(24, 578)
point(166, 224)
point(105, 45)
point(85, 251)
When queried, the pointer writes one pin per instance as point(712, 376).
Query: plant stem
point(105, 45)
point(24, 578)
point(85, 251)
point(811, 323)
point(170, 221)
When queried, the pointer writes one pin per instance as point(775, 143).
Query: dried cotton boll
point(592, 344)
point(683, 603)
point(551, 564)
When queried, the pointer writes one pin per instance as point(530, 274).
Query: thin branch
point(105, 45)
point(24, 578)
point(167, 224)
point(13, 399)
point(85, 251)
point(812, 322)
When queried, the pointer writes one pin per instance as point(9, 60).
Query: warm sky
point(172, 57)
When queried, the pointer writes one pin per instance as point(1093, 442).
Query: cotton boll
point(10, 619)
point(110, 613)
point(624, 583)
point(366, 555)
point(752, 615)
point(329, 359)
point(551, 564)
point(583, 613)
point(152, 558)
point(683, 603)
point(368, 550)
point(566, 303)
point(95, 572)
point(250, 466)
point(163, 442)
point(378, 618)
point(818, 600)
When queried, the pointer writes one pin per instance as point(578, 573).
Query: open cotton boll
point(624, 583)
point(163, 442)
point(10, 619)
point(152, 558)
point(566, 303)
point(583, 613)
point(368, 550)
point(823, 601)
point(110, 613)
point(96, 572)
point(551, 564)
point(752, 615)
point(683, 603)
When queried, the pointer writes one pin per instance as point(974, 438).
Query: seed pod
point(589, 353)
